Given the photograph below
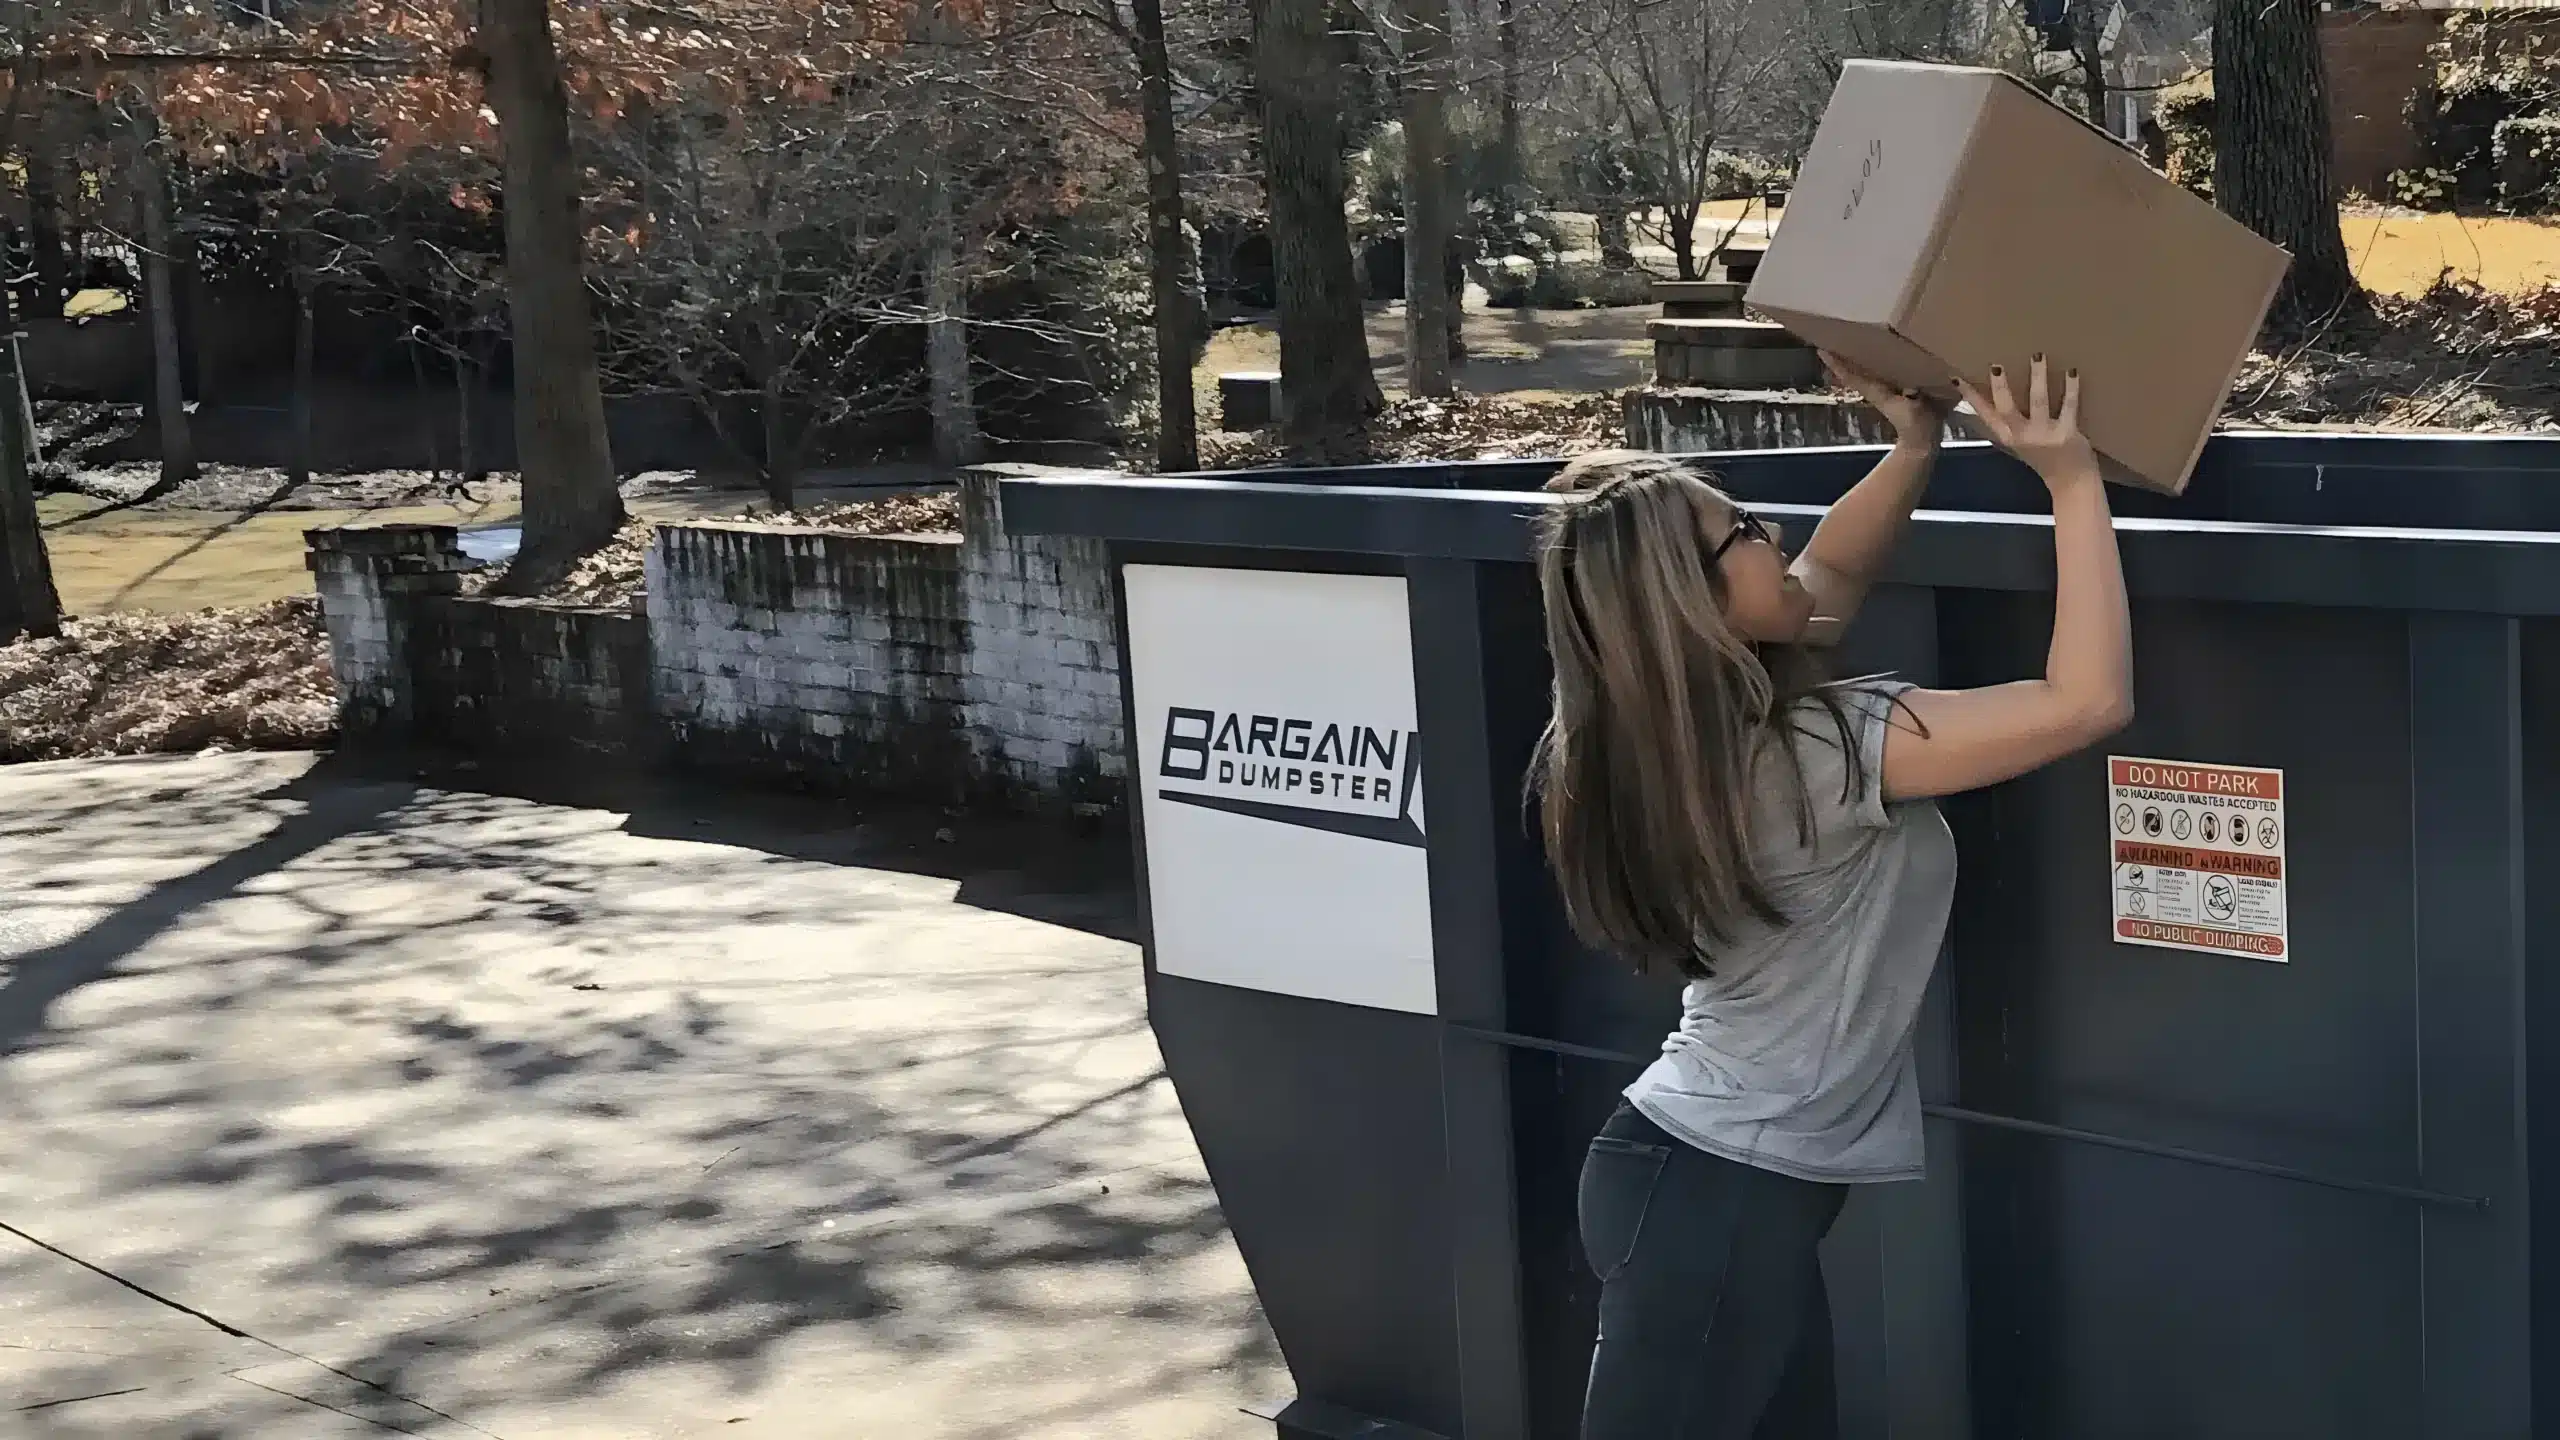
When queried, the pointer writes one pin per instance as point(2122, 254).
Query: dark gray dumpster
point(2233, 1134)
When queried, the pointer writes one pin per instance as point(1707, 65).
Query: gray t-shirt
point(1795, 1055)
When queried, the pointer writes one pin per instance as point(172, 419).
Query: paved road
point(348, 1107)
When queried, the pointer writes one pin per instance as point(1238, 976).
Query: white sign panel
point(2199, 856)
point(1280, 782)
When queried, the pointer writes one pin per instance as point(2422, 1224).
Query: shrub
point(1741, 177)
point(2184, 113)
point(2526, 153)
point(2424, 187)
point(2458, 122)
point(2489, 69)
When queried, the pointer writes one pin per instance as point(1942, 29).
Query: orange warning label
point(2198, 856)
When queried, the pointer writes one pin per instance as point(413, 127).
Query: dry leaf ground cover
point(255, 678)
point(612, 575)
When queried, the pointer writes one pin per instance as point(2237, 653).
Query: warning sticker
point(2199, 856)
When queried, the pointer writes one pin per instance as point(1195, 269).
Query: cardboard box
point(1948, 219)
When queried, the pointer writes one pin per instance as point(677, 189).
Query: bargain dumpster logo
point(1319, 773)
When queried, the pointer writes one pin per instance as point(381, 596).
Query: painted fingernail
point(2074, 374)
point(1995, 371)
point(2039, 357)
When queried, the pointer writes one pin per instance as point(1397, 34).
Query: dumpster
point(2237, 1064)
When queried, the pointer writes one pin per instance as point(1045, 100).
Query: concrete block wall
point(520, 676)
point(1681, 420)
point(371, 581)
point(1043, 677)
point(983, 668)
point(836, 659)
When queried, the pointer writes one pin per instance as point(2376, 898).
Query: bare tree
point(1326, 385)
point(464, 295)
point(774, 282)
point(571, 502)
point(1430, 208)
point(1508, 165)
point(29, 605)
point(1823, 35)
point(1179, 318)
point(30, 110)
point(319, 242)
point(1171, 276)
point(150, 185)
point(1683, 75)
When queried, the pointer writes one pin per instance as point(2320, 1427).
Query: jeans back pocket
point(1618, 1179)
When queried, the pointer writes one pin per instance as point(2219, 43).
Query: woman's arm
point(1957, 740)
point(1849, 548)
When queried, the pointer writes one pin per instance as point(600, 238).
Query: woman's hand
point(1915, 418)
point(2048, 440)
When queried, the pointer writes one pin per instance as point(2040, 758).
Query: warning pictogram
point(2221, 892)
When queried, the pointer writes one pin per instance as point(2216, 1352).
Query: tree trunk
point(2088, 27)
point(48, 261)
point(1508, 165)
point(466, 458)
point(29, 604)
point(780, 461)
point(1178, 307)
point(1429, 218)
point(50, 264)
point(2271, 147)
point(1326, 386)
point(299, 475)
point(160, 299)
point(424, 399)
point(1682, 226)
point(159, 292)
point(953, 401)
point(571, 502)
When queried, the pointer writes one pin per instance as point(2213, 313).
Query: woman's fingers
point(1973, 401)
point(2071, 402)
point(2039, 390)
point(2004, 398)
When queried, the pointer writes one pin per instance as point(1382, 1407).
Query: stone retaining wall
point(1679, 420)
point(521, 676)
point(974, 667)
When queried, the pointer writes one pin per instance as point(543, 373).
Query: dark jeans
point(1713, 1320)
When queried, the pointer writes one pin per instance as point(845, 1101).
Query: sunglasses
point(1747, 526)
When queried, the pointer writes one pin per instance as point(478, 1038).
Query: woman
point(1712, 805)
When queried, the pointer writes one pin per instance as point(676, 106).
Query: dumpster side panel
point(1321, 1127)
point(2119, 1294)
point(2466, 770)
point(2540, 1017)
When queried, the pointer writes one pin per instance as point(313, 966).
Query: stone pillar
point(372, 581)
point(1042, 682)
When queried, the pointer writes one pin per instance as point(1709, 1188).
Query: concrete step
point(1732, 354)
point(1699, 299)
point(1248, 400)
point(1724, 333)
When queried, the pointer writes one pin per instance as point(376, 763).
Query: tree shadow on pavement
point(1078, 874)
point(495, 1116)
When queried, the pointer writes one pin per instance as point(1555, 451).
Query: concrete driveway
point(342, 1106)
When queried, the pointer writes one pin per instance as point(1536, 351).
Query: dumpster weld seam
point(1989, 1120)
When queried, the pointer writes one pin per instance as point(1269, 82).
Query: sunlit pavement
point(346, 1106)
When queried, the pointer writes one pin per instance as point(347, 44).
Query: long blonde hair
point(1645, 776)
